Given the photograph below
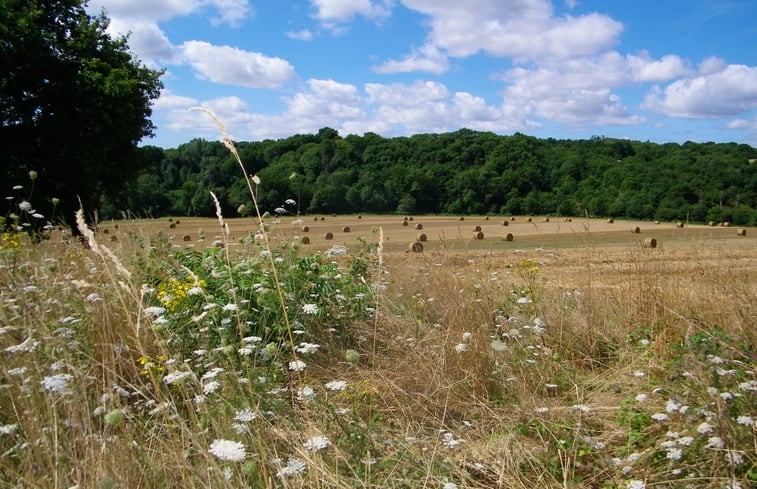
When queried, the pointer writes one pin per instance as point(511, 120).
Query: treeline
point(463, 172)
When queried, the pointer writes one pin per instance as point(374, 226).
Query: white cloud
point(146, 40)
point(428, 59)
point(226, 64)
point(728, 92)
point(303, 35)
point(645, 69)
point(521, 29)
point(335, 11)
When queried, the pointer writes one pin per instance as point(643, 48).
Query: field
point(201, 353)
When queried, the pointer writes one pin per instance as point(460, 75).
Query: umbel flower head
point(228, 450)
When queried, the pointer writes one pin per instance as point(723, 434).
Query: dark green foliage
point(74, 103)
point(463, 172)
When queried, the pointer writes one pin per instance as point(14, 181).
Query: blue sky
point(658, 70)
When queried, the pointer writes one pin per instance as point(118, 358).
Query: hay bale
point(305, 229)
point(679, 225)
point(546, 219)
point(461, 218)
point(741, 232)
point(636, 230)
point(323, 218)
point(649, 243)
point(529, 220)
point(315, 218)
point(509, 237)
point(657, 222)
point(486, 218)
point(172, 225)
point(410, 218)
point(106, 231)
point(512, 218)
point(610, 221)
point(305, 240)
point(404, 223)
point(505, 223)
point(115, 225)
point(328, 235)
point(421, 237)
point(333, 215)
point(478, 235)
point(419, 226)
point(177, 222)
point(346, 229)
point(727, 224)
point(404, 218)
point(416, 247)
point(170, 219)
point(186, 237)
point(114, 238)
point(712, 224)
point(476, 228)
point(359, 217)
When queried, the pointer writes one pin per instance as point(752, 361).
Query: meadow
point(228, 353)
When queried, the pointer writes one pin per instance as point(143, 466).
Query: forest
point(464, 172)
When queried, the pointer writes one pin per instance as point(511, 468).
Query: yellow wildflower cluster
point(173, 293)
point(9, 240)
point(528, 267)
point(151, 365)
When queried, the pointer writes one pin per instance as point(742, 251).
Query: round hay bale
point(305, 240)
point(333, 215)
point(657, 222)
point(649, 243)
point(509, 237)
point(305, 229)
point(328, 235)
point(486, 218)
point(505, 223)
point(177, 222)
point(610, 221)
point(416, 247)
point(170, 219)
point(478, 235)
point(359, 217)
point(476, 228)
point(740, 232)
point(410, 218)
point(346, 229)
point(727, 224)
point(106, 231)
point(711, 224)
point(114, 238)
point(636, 230)
point(315, 218)
point(404, 223)
point(679, 225)
point(172, 225)
point(323, 218)
point(421, 237)
point(404, 218)
point(529, 220)
point(115, 226)
point(512, 218)
point(419, 226)
point(546, 219)
point(186, 237)
point(461, 218)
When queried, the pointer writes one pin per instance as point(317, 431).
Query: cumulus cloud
point(426, 59)
point(728, 92)
point(332, 12)
point(226, 64)
point(147, 41)
point(303, 35)
point(521, 29)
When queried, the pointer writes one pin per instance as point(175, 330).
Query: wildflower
point(733, 457)
point(294, 466)
point(636, 484)
point(524, 300)
point(227, 450)
point(230, 307)
point(352, 356)
point(644, 342)
point(581, 407)
point(551, 386)
point(672, 405)
point(290, 202)
point(745, 420)
point(641, 397)
point(460, 347)
point(449, 485)
point(311, 309)
point(154, 311)
point(542, 410)
point(26, 346)
point(704, 428)
point(25, 206)
point(686, 441)
point(317, 443)
point(450, 441)
point(660, 417)
point(176, 376)
point(297, 365)
point(336, 385)
point(305, 393)
point(715, 442)
point(498, 346)
point(245, 415)
point(674, 454)
point(211, 387)
point(280, 210)
point(56, 383)
point(715, 359)
point(8, 429)
point(639, 374)
point(467, 336)
point(306, 348)
point(336, 251)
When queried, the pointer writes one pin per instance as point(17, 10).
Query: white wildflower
point(230, 307)
point(56, 383)
point(582, 407)
point(672, 405)
point(660, 417)
point(450, 441)
point(297, 365)
point(733, 457)
point(176, 376)
point(639, 374)
point(460, 347)
point(155, 311)
point(715, 359)
point(636, 484)
point(211, 387)
point(311, 309)
point(336, 385)
point(93, 297)
point(26, 346)
point(305, 393)
point(245, 415)
point(745, 420)
point(685, 441)
point(294, 466)
point(449, 485)
point(212, 373)
point(674, 454)
point(228, 450)
point(336, 251)
point(704, 428)
point(25, 206)
point(467, 336)
point(715, 442)
point(306, 348)
point(318, 442)
point(641, 397)
point(498, 346)
point(8, 429)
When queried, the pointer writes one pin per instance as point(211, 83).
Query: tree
point(74, 103)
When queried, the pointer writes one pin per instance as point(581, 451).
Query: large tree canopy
point(74, 103)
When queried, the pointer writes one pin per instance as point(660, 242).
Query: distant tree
point(74, 103)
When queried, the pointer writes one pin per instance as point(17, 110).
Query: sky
point(649, 70)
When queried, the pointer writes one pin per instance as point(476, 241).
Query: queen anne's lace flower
point(228, 450)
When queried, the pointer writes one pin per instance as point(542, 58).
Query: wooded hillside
point(463, 172)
